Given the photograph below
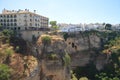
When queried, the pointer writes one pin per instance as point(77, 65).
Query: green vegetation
point(4, 72)
point(54, 25)
point(67, 59)
point(108, 26)
point(46, 40)
point(52, 56)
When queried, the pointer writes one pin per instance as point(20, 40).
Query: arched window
point(7, 16)
point(8, 20)
point(11, 16)
point(4, 24)
point(11, 24)
point(8, 24)
point(15, 16)
point(4, 20)
point(15, 24)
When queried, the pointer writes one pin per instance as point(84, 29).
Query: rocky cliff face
point(51, 63)
point(83, 49)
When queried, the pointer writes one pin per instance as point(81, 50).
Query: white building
point(22, 20)
point(27, 24)
point(71, 28)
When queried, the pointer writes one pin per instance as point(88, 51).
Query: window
point(7, 24)
point(30, 19)
point(25, 28)
point(11, 24)
point(11, 16)
point(11, 28)
point(15, 16)
point(1, 16)
point(30, 24)
point(4, 24)
point(1, 24)
point(11, 20)
point(8, 20)
point(35, 24)
point(14, 28)
point(7, 16)
point(18, 28)
point(15, 20)
point(4, 20)
point(1, 20)
point(7, 27)
point(15, 24)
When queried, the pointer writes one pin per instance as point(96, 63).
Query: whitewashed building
point(22, 20)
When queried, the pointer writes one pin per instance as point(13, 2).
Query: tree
point(108, 26)
point(53, 23)
point(4, 72)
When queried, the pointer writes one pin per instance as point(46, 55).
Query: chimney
point(34, 11)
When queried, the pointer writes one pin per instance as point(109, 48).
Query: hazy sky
point(70, 11)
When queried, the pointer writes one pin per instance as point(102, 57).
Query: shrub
point(83, 78)
point(46, 40)
point(9, 51)
point(4, 72)
point(67, 59)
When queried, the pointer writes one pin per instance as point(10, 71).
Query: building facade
point(22, 20)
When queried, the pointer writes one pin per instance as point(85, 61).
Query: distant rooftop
point(19, 11)
point(5, 11)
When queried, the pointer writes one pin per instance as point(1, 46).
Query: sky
point(70, 11)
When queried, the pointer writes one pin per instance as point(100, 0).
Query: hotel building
point(22, 20)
